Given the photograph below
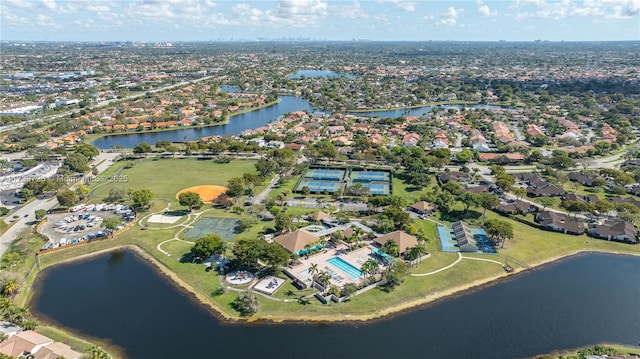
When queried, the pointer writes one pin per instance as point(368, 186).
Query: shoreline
point(221, 123)
point(381, 314)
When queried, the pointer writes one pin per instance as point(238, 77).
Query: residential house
point(615, 230)
point(516, 207)
point(585, 179)
point(444, 177)
point(559, 222)
point(512, 157)
point(24, 343)
point(410, 140)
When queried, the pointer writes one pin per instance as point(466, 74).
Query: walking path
point(439, 270)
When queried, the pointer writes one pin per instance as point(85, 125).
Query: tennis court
point(325, 174)
point(319, 186)
point(377, 188)
point(369, 176)
point(224, 227)
point(449, 244)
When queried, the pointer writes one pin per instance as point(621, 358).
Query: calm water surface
point(236, 124)
point(579, 301)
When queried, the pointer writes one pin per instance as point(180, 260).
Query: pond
point(120, 298)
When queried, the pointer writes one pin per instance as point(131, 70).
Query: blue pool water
point(346, 267)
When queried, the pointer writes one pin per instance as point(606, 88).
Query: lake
point(246, 121)
point(121, 299)
point(318, 73)
point(235, 125)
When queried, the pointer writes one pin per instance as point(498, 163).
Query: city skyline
point(384, 20)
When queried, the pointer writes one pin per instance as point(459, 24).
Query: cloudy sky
point(412, 20)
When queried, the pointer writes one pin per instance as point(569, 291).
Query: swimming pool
point(346, 267)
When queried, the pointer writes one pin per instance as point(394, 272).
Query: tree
point(465, 155)
point(283, 222)
point(546, 202)
point(391, 248)
point(112, 223)
point(9, 288)
point(469, 199)
point(370, 267)
point(266, 166)
point(235, 187)
point(488, 201)
point(205, 246)
point(77, 162)
point(142, 148)
point(87, 150)
point(275, 255)
point(82, 191)
point(190, 199)
point(416, 252)
point(142, 197)
point(247, 251)
point(116, 194)
point(394, 275)
point(603, 206)
point(499, 231)
point(505, 181)
point(96, 352)
point(66, 197)
point(40, 214)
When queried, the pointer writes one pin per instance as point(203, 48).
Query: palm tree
point(313, 270)
point(323, 279)
point(415, 252)
point(10, 288)
point(369, 268)
point(96, 352)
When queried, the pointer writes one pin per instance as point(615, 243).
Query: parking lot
point(83, 223)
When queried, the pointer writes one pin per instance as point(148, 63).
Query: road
point(99, 105)
point(26, 214)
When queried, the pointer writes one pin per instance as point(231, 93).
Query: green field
point(165, 177)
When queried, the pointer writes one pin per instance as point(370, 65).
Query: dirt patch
point(208, 193)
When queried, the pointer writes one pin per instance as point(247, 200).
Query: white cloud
point(608, 9)
point(353, 11)
point(484, 10)
point(287, 13)
point(20, 3)
point(46, 21)
point(449, 17)
point(409, 6)
point(11, 19)
point(50, 4)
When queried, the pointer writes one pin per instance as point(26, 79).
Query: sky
point(382, 20)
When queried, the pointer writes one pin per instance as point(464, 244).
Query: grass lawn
point(530, 246)
point(166, 177)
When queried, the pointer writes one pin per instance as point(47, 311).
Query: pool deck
point(356, 258)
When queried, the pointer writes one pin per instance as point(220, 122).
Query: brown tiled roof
point(296, 240)
point(404, 240)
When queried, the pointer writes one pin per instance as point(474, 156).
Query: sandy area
point(208, 193)
point(161, 218)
